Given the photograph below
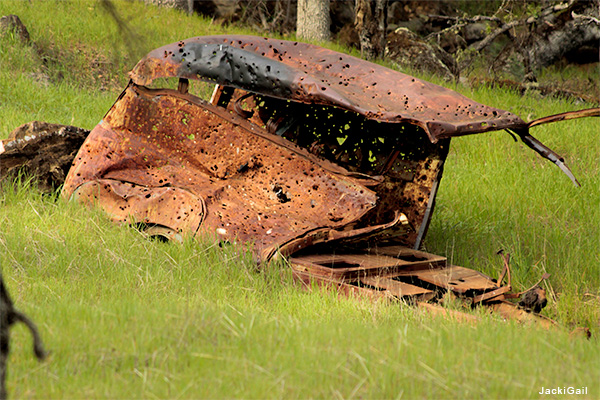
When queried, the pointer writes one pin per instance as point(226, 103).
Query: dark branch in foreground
point(8, 316)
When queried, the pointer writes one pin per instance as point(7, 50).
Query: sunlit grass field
point(125, 317)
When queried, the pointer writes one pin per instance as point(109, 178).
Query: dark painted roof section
point(312, 74)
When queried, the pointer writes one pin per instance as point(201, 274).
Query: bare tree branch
point(587, 18)
point(526, 21)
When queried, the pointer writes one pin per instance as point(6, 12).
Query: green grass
point(499, 194)
point(125, 317)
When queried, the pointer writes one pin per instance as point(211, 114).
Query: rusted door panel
point(254, 189)
point(370, 287)
point(354, 266)
point(384, 261)
point(400, 262)
point(385, 288)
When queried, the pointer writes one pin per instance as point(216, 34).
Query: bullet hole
point(242, 168)
point(281, 195)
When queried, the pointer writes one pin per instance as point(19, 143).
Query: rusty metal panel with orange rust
point(314, 75)
point(399, 272)
point(407, 166)
point(241, 185)
point(301, 146)
point(302, 151)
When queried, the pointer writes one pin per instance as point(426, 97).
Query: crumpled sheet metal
point(406, 182)
point(163, 158)
point(311, 74)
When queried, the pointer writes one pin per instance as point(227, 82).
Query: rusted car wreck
point(305, 152)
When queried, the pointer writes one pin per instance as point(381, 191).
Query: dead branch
point(558, 8)
point(9, 316)
point(444, 31)
point(505, 27)
point(465, 20)
point(586, 18)
point(492, 36)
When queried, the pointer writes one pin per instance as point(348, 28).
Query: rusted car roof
point(312, 74)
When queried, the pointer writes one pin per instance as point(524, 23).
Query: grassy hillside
point(124, 317)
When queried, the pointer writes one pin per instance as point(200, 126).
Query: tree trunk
point(371, 25)
point(313, 20)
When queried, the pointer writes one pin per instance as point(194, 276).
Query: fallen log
point(42, 150)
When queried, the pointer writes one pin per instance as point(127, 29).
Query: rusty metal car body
point(302, 151)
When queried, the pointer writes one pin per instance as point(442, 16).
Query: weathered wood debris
point(42, 150)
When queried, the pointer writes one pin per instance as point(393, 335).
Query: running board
point(412, 276)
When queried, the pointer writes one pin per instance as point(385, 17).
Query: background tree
point(371, 25)
point(313, 20)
